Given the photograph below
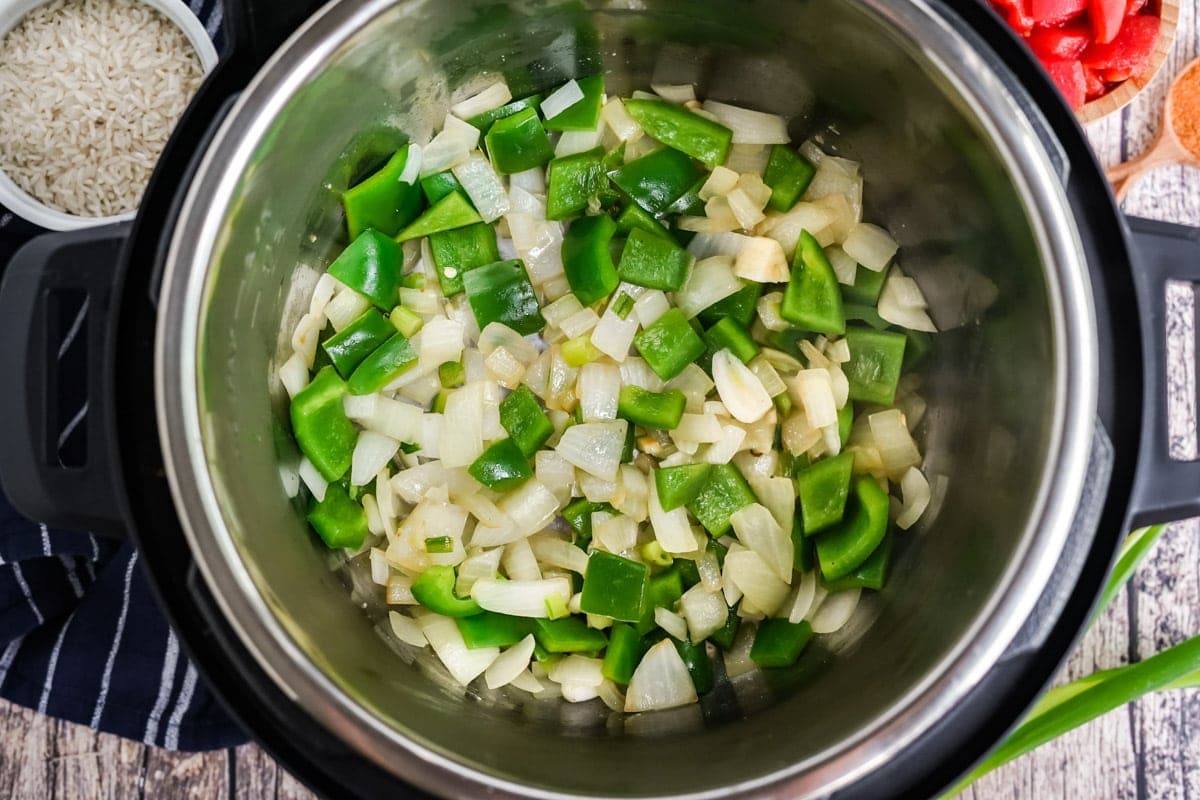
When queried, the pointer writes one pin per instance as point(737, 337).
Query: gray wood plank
point(256, 775)
point(28, 741)
point(203, 776)
point(87, 764)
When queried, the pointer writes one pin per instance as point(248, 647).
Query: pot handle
point(1165, 489)
point(256, 28)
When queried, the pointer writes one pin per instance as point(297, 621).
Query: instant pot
point(1046, 390)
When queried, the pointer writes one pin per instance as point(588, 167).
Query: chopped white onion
point(623, 126)
point(767, 375)
point(483, 564)
point(895, 444)
point(371, 452)
point(748, 158)
point(578, 670)
point(505, 368)
point(749, 127)
point(732, 439)
point(323, 292)
point(487, 99)
point(712, 279)
point(396, 420)
point(519, 562)
point(463, 663)
point(582, 322)
point(595, 447)
point(532, 180)
point(598, 387)
point(558, 553)
point(555, 473)
point(870, 245)
point(510, 665)
point(672, 530)
point(561, 310)
point(596, 490)
point(757, 529)
point(802, 597)
point(746, 210)
point(481, 183)
point(698, 428)
point(306, 336)
point(412, 165)
point(914, 489)
point(675, 92)
point(441, 340)
point(450, 147)
point(769, 312)
point(845, 267)
point(313, 479)
point(739, 388)
point(707, 245)
point(520, 598)
point(561, 99)
point(615, 533)
point(758, 581)
point(461, 440)
point(671, 622)
point(613, 336)
point(785, 228)
point(778, 495)
point(406, 629)
point(704, 610)
point(720, 181)
point(650, 306)
point(834, 611)
point(636, 372)
point(399, 590)
point(695, 385)
point(902, 303)
point(572, 142)
point(812, 389)
point(660, 681)
point(761, 260)
point(293, 373)
point(529, 508)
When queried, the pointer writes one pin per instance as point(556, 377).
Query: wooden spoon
point(1165, 149)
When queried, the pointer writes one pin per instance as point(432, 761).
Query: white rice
point(89, 92)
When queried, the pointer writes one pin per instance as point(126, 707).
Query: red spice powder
point(1185, 109)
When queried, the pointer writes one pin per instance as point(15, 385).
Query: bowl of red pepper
point(1100, 53)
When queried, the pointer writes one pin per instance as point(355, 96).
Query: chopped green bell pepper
point(677, 127)
point(724, 493)
point(689, 203)
point(864, 313)
point(778, 643)
point(663, 591)
point(518, 142)
point(670, 344)
point(524, 420)
point(490, 629)
point(634, 217)
point(568, 635)
point(578, 515)
point(338, 520)
point(741, 306)
point(484, 121)
point(688, 573)
point(452, 375)
point(383, 201)
point(651, 409)
point(584, 114)
point(876, 358)
point(614, 587)
point(845, 422)
point(624, 653)
point(803, 557)
point(695, 658)
point(813, 299)
point(729, 334)
point(656, 180)
point(843, 549)
point(434, 589)
point(462, 249)
point(654, 261)
point(678, 486)
point(579, 351)
point(440, 184)
point(348, 347)
point(501, 292)
point(788, 174)
point(622, 306)
point(572, 181)
point(866, 287)
point(370, 265)
point(724, 637)
point(919, 345)
point(385, 364)
point(871, 574)
point(502, 466)
point(587, 259)
point(822, 489)
point(323, 432)
point(452, 211)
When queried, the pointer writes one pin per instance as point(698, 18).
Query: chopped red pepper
point(1055, 12)
point(1068, 42)
point(1125, 54)
point(1107, 16)
point(1017, 14)
point(1068, 75)
point(1094, 83)
point(1134, 7)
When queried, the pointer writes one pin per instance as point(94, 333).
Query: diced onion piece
point(902, 303)
point(740, 390)
point(414, 483)
point(845, 267)
point(769, 313)
point(710, 572)
point(870, 245)
point(623, 126)
point(797, 434)
point(761, 260)
point(767, 375)
point(561, 99)
point(481, 183)
point(756, 190)
point(707, 245)
point(802, 597)
point(671, 622)
point(510, 665)
point(483, 564)
point(694, 384)
point(704, 610)
point(313, 479)
point(749, 127)
point(636, 372)
point(306, 336)
point(578, 670)
point(528, 509)
point(497, 334)
point(461, 439)
point(660, 681)
point(615, 533)
point(758, 529)
point(812, 389)
point(671, 528)
point(675, 92)
point(718, 216)
point(323, 292)
point(399, 421)
point(838, 351)
point(532, 180)
point(406, 629)
point(745, 210)
point(561, 310)
point(721, 181)
point(748, 158)
point(399, 590)
point(785, 228)
point(450, 147)
point(778, 495)
point(613, 336)
point(293, 373)
point(519, 562)
point(487, 99)
point(711, 280)
point(345, 307)
point(572, 142)
point(596, 490)
point(895, 444)
point(811, 151)
point(412, 165)
point(555, 473)
point(441, 340)
point(542, 254)
point(520, 598)
point(758, 581)
point(834, 611)
point(914, 489)
point(595, 447)
point(722, 452)
point(582, 322)
point(371, 452)
point(698, 428)
point(463, 663)
point(505, 368)
point(650, 306)
point(555, 552)
point(598, 388)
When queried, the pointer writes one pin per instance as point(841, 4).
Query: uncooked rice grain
point(89, 92)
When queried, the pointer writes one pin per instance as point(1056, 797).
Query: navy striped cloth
point(81, 637)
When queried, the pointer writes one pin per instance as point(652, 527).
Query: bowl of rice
point(90, 91)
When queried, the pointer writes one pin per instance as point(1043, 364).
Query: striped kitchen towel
point(81, 637)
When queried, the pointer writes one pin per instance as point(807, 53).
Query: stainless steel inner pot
point(953, 166)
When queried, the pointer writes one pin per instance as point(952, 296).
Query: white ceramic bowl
point(29, 207)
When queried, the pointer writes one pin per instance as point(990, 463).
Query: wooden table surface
point(1150, 749)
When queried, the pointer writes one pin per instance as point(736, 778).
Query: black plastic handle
point(1164, 489)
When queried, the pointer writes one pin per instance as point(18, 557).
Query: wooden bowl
point(1123, 94)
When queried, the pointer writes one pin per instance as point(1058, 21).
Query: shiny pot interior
point(951, 167)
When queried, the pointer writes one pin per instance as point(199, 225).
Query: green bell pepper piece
point(385, 364)
point(501, 292)
point(778, 643)
point(866, 287)
point(670, 344)
point(490, 629)
point(822, 489)
point(578, 515)
point(568, 635)
point(919, 345)
point(434, 589)
point(634, 217)
point(688, 573)
point(584, 114)
point(518, 142)
point(614, 587)
point(484, 121)
point(587, 259)
point(654, 261)
point(502, 466)
point(452, 211)
point(370, 265)
point(452, 375)
point(677, 127)
point(803, 557)
point(729, 334)
point(788, 174)
point(724, 493)
point(382, 201)
point(813, 299)
point(348, 347)
point(740, 306)
point(689, 203)
point(871, 574)
point(524, 421)
point(440, 184)
point(845, 422)
point(656, 180)
point(622, 306)
point(864, 313)
point(724, 637)
point(876, 358)
point(460, 250)
point(695, 658)
point(323, 432)
point(678, 486)
point(651, 409)
point(338, 520)
point(624, 653)
point(663, 591)
point(574, 180)
point(843, 549)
